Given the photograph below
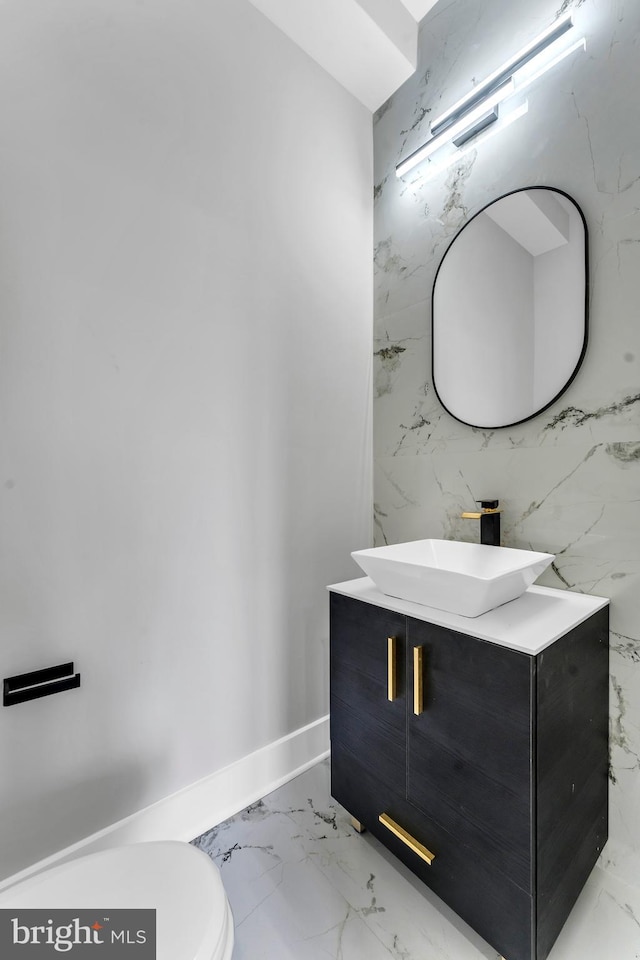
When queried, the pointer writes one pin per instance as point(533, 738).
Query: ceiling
point(418, 8)
point(368, 46)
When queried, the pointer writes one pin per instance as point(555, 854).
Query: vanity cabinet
point(482, 767)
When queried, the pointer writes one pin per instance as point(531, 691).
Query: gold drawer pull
point(392, 682)
point(410, 841)
point(418, 683)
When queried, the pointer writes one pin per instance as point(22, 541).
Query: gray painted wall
point(185, 382)
point(568, 480)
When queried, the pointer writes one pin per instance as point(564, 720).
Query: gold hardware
point(391, 669)
point(360, 827)
point(471, 516)
point(479, 516)
point(413, 844)
point(418, 683)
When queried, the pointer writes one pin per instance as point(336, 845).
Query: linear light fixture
point(457, 155)
point(471, 123)
point(488, 102)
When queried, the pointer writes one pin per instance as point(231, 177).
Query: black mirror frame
point(568, 383)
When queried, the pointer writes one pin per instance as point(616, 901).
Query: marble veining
point(572, 416)
point(568, 479)
point(303, 885)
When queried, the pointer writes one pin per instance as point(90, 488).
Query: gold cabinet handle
point(418, 681)
point(418, 848)
point(392, 679)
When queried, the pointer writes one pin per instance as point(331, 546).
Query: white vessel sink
point(464, 578)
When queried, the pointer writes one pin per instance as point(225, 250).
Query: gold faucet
point(489, 517)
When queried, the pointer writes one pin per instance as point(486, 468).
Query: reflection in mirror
point(510, 309)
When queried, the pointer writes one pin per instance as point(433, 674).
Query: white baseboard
point(208, 802)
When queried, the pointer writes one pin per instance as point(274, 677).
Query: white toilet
point(193, 919)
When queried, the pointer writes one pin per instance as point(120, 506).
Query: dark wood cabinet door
point(484, 897)
point(363, 718)
point(470, 750)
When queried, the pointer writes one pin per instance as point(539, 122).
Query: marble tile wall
point(569, 479)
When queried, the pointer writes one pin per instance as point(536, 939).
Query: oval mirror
point(510, 309)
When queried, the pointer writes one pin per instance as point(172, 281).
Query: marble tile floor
point(303, 885)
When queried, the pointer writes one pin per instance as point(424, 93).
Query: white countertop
point(529, 624)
